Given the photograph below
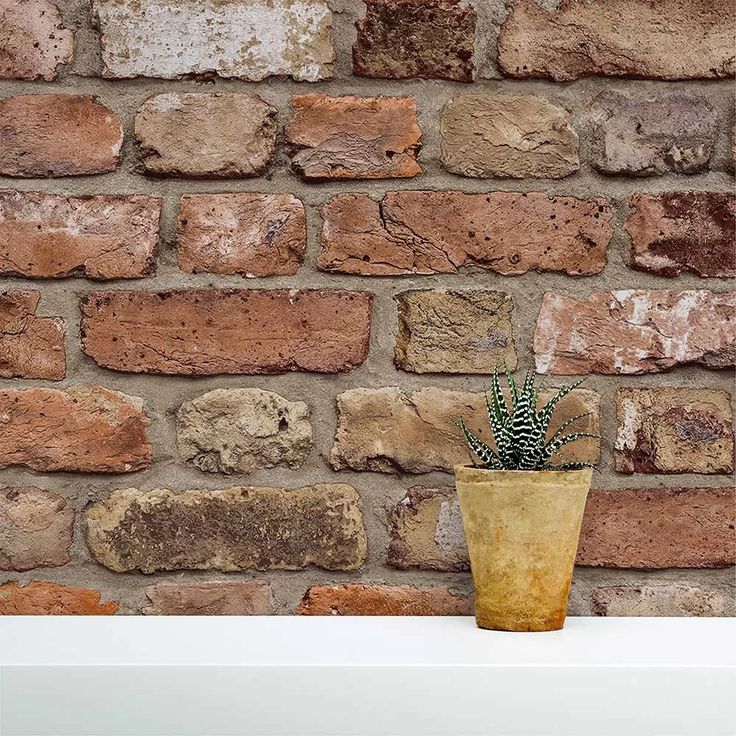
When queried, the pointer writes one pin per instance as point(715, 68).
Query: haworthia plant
point(519, 429)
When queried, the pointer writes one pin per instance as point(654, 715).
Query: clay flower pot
point(522, 528)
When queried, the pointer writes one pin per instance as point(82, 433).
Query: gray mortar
point(379, 493)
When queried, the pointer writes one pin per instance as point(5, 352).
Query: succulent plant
point(519, 429)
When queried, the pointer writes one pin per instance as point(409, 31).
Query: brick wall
point(253, 260)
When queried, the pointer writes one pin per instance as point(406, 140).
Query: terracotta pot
point(522, 528)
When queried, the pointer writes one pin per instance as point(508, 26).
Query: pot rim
point(527, 472)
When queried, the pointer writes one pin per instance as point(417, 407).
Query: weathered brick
point(388, 431)
point(30, 346)
point(255, 235)
point(98, 237)
point(670, 39)
point(672, 599)
point(635, 331)
point(454, 331)
point(425, 232)
point(354, 137)
point(196, 134)
point(36, 528)
point(683, 231)
point(58, 135)
point(430, 39)
point(246, 39)
point(487, 136)
point(646, 136)
point(248, 598)
point(87, 429)
point(659, 527)
point(673, 430)
point(384, 600)
point(230, 529)
point(427, 531)
point(240, 430)
point(210, 332)
point(49, 599)
point(33, 39)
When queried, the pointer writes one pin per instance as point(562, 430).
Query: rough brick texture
point(389, 431)
point(661, 600)
point(33, 39)
point(209, 599)
point(683, 231)
point(426, 232)
point(384, 600)
point(195, 134)
point(36, 528)
point(58, 135)
point(674, 430)
point(507, 136)
point(635, 331)
point(51, 599)
point(431, 39)
point(672, 39)
point(30, 346)
point(231, 529)
point(354, 137)
point(254, 235)
point(84, 429)
point(209, 332)
point(247, 39)
point(99, 237)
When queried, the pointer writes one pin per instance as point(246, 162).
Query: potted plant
point(521, 510)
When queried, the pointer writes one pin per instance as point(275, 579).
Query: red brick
point(200, 332)
point(669, 39)
point(87, 429)
point(635, 331)
point(659, 528)
point(30, 346)
point(242, 598)
point(354, 137)
point(58, 135)
point(255, 235)
point(98, 237)
point(425, 232)
point(683, 231)
point(33, 39)
point(384, 600)
point(50, 599)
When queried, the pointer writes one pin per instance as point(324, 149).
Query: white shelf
point(312, 676)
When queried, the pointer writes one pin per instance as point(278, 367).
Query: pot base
point(516, 624)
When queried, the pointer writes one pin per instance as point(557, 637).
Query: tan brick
point(635, 331)
point(384, 600)
point(354, 137)
point(195, 134)
point(388, 431)
point(58, 135)
point(454, 331)
point(33, 39)
point(246, 39)
point(255, 235)
point(683, 231)
point(228, 530)
point(240, 430)
point(36, 528)
point(209, 599)
point(50, 599)
point(670, 39)
point(486, 136)
point(425, 232)
point(439, 44)
point(209, 332)
point(98, 237)
point(30, 346)
point(671, 599)
point(673, 430)
point(87, 429)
